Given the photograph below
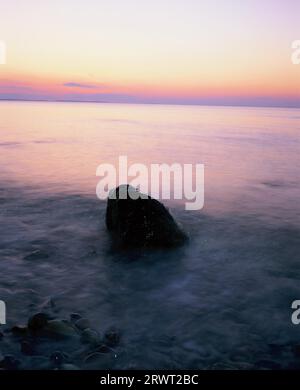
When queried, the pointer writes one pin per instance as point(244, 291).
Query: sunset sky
point(161, 51)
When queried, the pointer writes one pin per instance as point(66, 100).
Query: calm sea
point(224, 300)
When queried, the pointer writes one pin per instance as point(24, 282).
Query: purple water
point(222, 301)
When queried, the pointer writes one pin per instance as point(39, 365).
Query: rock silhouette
point(138, 221)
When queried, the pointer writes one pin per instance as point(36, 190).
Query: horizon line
point(151, 103)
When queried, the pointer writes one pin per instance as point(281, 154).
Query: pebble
point(37, 322)
point(112, 337)
point(19, 331)
point(82, 324)
point(90, 336)
point(96, 353)
point(60, 329)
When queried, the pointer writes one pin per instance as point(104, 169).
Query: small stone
point(82, 323)
point(38, 322)
point(19, 331)
point(60, 329)
point(112, 337)
point(90, 336)
point(27, 348)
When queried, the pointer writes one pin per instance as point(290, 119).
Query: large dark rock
point(142, 221)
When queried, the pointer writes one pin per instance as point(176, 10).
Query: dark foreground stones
point(138, 221)
point(48, 343)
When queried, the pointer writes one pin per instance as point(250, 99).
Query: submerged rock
point(82, 324)
point(90, 336)
point(19, 331)
point(59, 329)
point(112, 337)
point(136, 220)
point(37, 322)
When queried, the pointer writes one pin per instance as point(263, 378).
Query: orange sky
point(209, 52)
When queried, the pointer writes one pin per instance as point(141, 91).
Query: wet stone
point(60, 329)
point(90, 336)
point(37, 322)
point(19, 331)
point(82, 323)
point(112, 337)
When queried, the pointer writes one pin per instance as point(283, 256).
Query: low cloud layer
point(78, 85)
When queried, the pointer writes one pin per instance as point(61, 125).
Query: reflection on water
point(60, 145)
point(224, 300)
